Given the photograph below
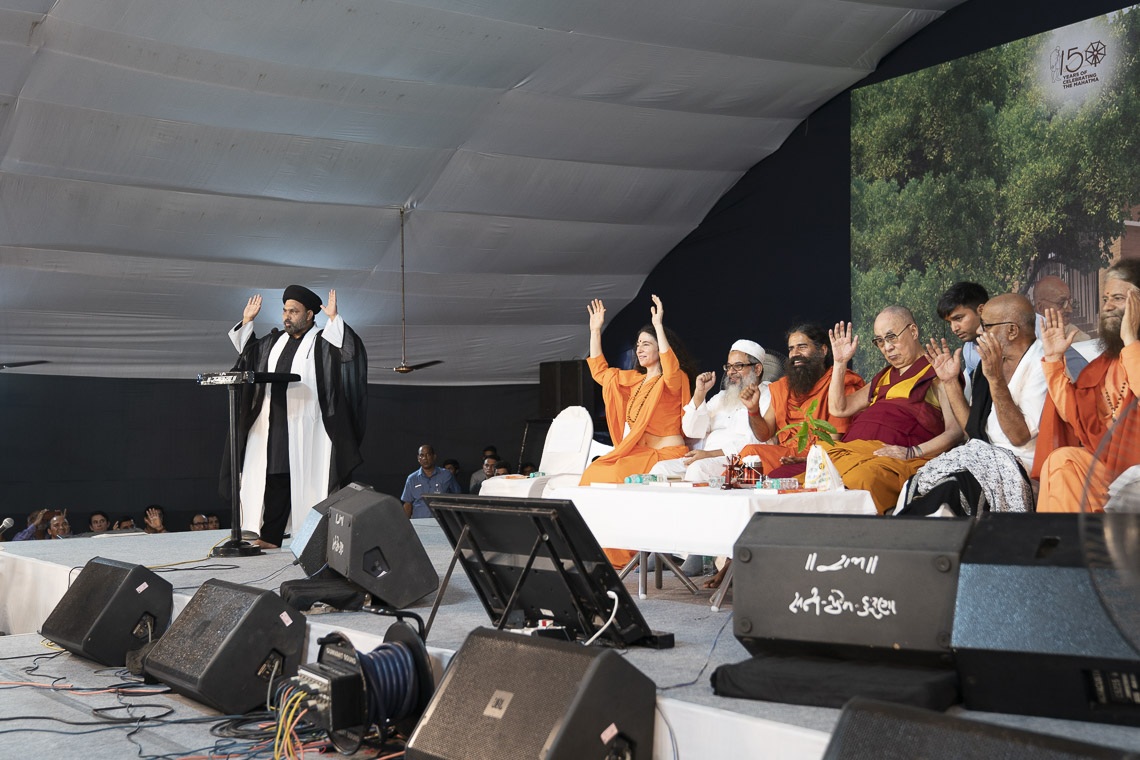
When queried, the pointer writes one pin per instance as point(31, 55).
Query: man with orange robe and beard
point(807, 378)
point(1078, 414)
point(901, 419)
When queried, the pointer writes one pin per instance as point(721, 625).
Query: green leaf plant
point(811, 426)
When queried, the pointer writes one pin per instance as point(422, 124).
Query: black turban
point(304, 296)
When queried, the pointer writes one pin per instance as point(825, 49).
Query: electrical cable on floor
point(613, 614)
point(708, 659)
point(672, 733)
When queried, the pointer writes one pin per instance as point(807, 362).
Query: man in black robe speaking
point(297, 441)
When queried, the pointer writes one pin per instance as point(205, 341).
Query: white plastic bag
point(821, 473)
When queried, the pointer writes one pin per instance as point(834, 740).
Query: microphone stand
point(236, 546)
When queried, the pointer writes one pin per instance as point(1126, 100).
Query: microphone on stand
point(8, 523)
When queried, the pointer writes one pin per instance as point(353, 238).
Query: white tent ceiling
point(162, 160)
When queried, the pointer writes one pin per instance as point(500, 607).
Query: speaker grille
point(196, 636)
point(870, 730)
point(91, 592)
point(540, 682)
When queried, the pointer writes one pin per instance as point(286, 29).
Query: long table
point(692, 520)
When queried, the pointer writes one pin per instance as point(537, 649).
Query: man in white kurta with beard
point(301, 439)
point(720, 424)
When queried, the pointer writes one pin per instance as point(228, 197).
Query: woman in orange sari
point(643, 405)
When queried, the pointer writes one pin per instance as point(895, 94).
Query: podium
point(235, 546)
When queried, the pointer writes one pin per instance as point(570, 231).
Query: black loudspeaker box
point(567, 383)
point(1030, 633)
point(112, 608)
point(872, 730)
point(310, 541)
point(227, 645)
point(374, 544)
point(848, 586)
point(506, 696)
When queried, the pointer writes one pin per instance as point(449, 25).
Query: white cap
point(750, 347)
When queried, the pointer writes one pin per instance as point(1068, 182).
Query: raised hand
point(947, 364)
point(329, 307)
point(1054, 341)
point(844, 342)
point(990, 352)
point(597, 313)
point(252, 308)
point(657, 312)
point(153, 520)
point(705, 382)
point(750, 397)
point(1130, 322)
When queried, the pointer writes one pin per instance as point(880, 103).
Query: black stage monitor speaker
point(848, 586)
point(310, 541)
point(872, 730)
point(1030, 633)
point(507, 696)
point(373, 544)
point(112, 608)
point(227, 645)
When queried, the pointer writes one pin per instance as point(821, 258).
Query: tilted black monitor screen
point(568, 574)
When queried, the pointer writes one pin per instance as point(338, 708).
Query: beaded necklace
point(646, 385)
point(1114, 406)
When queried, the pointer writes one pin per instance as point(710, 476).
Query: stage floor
point(34, 574)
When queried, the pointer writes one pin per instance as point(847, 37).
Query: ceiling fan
point(12, 365)
point(403, 367)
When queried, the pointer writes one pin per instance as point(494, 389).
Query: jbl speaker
point(872, 730)
point(1030, 633)
point(506, 696)
point(227, 645)
point(373, 544)
point(848, 586)
point(310, 541)
point(112, 608)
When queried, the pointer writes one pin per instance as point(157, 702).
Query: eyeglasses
point(1063, 303)
point(198, 522)
point(988, 325)
point(889, 338)
point(738, 366)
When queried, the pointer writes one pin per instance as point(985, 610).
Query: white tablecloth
point(692, 520)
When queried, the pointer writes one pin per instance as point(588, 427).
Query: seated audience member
point(99, 522)
point(452, 466)
point(958, 307)
point(1079, 414)
point(1051, 292)
point(154, 521)
point(502, 468)
point(124, 523)
point(37, 528)
point(807, 378)
point(643, 405)
point(199, 522)
point(488, 471)
point(901, 419)
point(1001, 420)
point(428, 479)
point(720, 424)
point(477, 478)
point(59, 527)
point(526, 468)
point(212, 522)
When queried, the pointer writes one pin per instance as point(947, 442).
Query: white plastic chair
point(565, 455)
